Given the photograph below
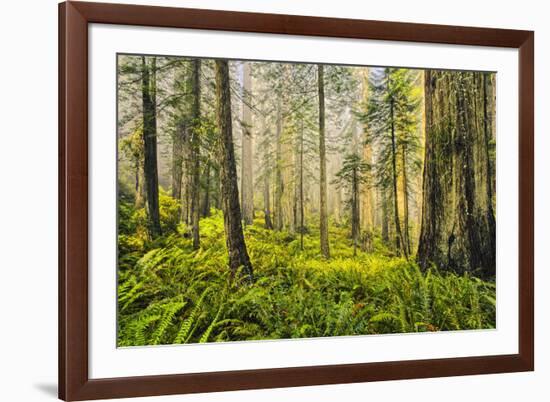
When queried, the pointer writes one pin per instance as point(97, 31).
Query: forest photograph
point(261, 200)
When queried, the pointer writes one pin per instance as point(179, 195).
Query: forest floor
point(169, 293)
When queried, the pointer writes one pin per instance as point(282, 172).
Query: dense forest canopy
point(247, 187)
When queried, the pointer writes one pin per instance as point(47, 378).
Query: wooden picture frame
point(74, 381)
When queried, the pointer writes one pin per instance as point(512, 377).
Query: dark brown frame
point(74, 383)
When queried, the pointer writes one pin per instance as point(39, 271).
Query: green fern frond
point(185, 329)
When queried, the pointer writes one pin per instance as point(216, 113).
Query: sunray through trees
point(269, 200)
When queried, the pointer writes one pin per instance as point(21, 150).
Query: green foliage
point(354, 171)
point(168, 293)
point(393, 105)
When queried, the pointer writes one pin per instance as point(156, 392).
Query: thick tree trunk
point(236, 246)
point(325, 250)
point(458, 231)
point(195, 153)
point(247, 180)
point(150, 145)
point(488, 128)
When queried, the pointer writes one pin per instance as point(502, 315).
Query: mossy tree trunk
point(458, 223)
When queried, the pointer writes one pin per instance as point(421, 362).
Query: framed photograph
point(260, 200)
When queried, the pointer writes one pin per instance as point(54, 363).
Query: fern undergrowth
point(170, 294)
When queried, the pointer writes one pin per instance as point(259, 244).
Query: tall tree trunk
point(195, 152)
point(278, 169)
point(302, 229)
point(385, 216)
point(325, 250)
point(236, 246)
point(400, 243)
point(150, 168)
point(136, 177)
point(296, 186)
point(368, 210)
point(367, 198)
point(267, 207)
point(457, 230)
point(488, 128)
point(217, 188)
point(247, 180)
point(177, 161)
point(355, 224)
point(140, 185)
point(206, 196)
point(187, 176)
point(406, 236)
point(267, 165)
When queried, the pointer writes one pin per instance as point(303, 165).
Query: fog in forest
point(267, 200)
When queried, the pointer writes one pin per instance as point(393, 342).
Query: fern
point(206, 335)
point(184, 333)
point(170, 311)
point(170, 293)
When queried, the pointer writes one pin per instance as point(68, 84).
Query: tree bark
point(406, 237)
point(247, 180)
point(236, 246)
point(195, 152)
point(150, 145)
point(267, 207)
point(399, 241)
point(458, 231)
point(177, 161)
point(278, 169)
point(206, 196)
point(187, 171)
point(367, 198)
point(323, 228)
point(488, 128)
point(302, 229)
point(385, 216)
point(355, 228)
point(140, 184)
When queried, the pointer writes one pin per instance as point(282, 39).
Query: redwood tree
point(236, 246)
point(458, 223)
point(325, 250)
point(148, 90)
